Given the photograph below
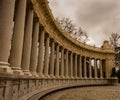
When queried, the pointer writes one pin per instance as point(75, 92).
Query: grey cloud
point(97, 12)
point(98, 17)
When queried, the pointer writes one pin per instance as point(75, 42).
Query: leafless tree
point(114, 38)
point(68, 26)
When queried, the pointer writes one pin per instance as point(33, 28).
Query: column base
point(47, 76)
point(81, 78)
point(72, 77)
point(57, 76)
point(90, 78)
point(67, 77)
point(41, 75)
point(101, 77)
point(76, 77)
point(27, 72)
point(5, 68)
point(17, 70)
point(34, 74)
point(96, 77)
point(85, 77)
point(63, 77)
point(52, 76)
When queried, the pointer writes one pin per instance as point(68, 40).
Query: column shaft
point(101, 69)
point(52, 59)
point(46, 65)
point(66, 65)
point(80, 67)
point(95, 68)
point(62, 63)
point(34, 49)
point(27, 43)
point(85, 72)
point(57, 62)
point(90, 70)
point(71, 65)
point(17, 39)
point(75, 66)
point(6, 30)
point(41, 54)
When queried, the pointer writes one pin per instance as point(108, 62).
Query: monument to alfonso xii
point(38, 57)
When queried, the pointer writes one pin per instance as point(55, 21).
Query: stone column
point(62, 63)
point(6, 30)
point(90, 69)
point(75, 66)
point(57, 62)
point(66, 65)
point(85, 72)
point(80, 66)
point(17, 40)
point(109, 63)
point(46, 65)
point(27, 43)
point(101, 69)
point(95, 67)
point(71, 64)
point(34, 49)
point(52, 60)
point(41, 55)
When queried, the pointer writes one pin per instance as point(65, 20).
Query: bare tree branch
point(69, 27)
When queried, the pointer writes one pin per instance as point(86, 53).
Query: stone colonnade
point(26, 48)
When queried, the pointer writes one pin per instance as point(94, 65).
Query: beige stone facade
point(32, 45)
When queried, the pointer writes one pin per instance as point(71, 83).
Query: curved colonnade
point(36, 53)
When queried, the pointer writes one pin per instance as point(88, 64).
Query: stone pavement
point(87, 93)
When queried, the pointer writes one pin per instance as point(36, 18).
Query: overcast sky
point(98, 17)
